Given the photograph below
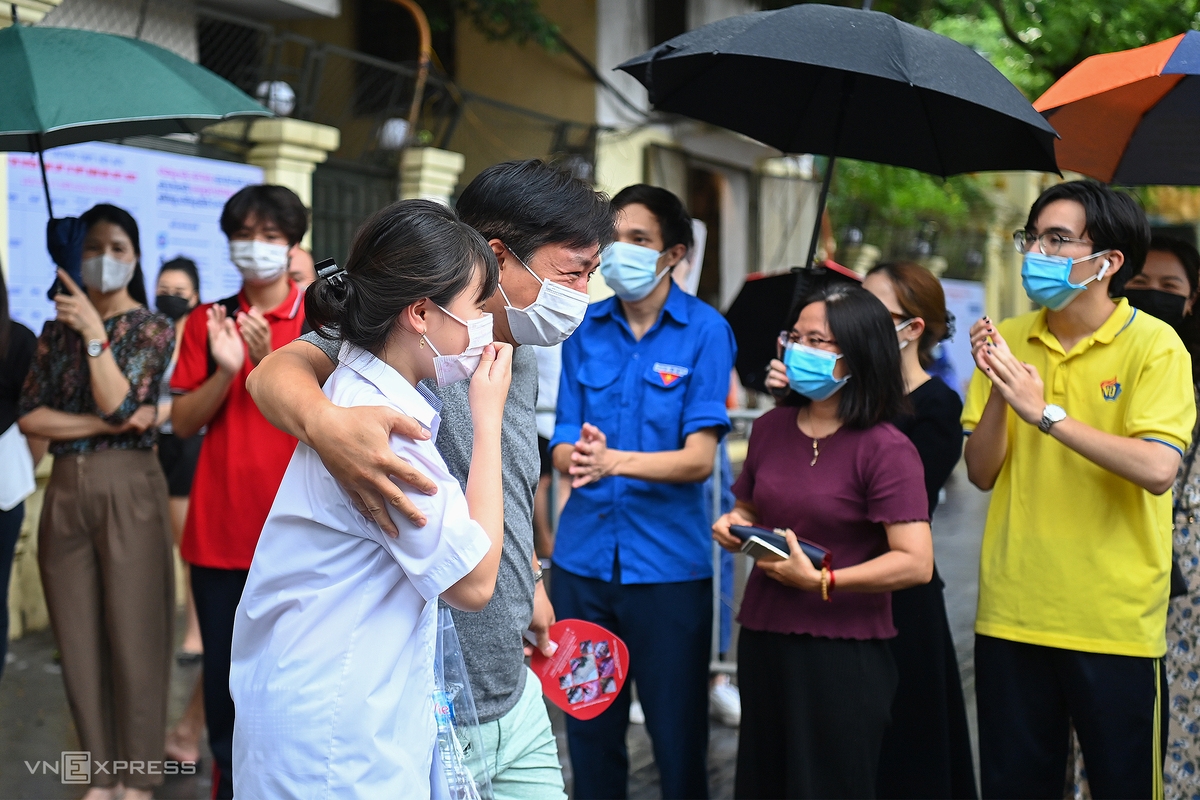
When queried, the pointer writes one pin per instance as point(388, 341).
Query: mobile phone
point(56, 288)
point(764, 543)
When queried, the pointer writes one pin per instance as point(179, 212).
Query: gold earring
point(422, 341)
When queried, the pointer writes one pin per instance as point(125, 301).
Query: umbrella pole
point(45, 183)
point(816, 234)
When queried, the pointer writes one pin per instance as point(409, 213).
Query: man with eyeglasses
point(1078, 416)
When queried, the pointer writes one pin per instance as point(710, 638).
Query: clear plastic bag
point(460, 771)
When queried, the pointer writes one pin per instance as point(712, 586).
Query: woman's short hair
point(863, 329)
point(673, 218)
point(279, 204)
point(104, 212)
point(406, 252)
point(919, 294)
point(187, 267)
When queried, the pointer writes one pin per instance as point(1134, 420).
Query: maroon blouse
point(862, 479)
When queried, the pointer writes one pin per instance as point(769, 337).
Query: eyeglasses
point(1048, 243)
point(811, 340)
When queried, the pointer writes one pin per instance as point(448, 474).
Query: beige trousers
point(104, 548)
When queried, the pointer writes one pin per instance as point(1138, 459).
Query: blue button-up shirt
point(646, 396)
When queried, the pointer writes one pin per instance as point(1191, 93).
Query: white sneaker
point(725, 702)
point(636, 715)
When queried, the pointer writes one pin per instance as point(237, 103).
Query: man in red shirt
point(243, 457)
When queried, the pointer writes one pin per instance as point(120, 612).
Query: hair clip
point(329, 270)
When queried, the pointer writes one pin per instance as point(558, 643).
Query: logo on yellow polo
point(1110, 389)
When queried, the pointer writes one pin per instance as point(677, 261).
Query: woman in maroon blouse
point(814, 668)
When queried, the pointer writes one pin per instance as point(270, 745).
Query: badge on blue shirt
point(669, 373)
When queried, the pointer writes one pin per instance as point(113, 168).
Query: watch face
point(94, 348)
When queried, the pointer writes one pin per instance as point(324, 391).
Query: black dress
point(927, 749)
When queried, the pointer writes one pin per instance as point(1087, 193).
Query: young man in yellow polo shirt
point(1078, 417)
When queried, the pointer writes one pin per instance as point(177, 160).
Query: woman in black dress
point(927, 750)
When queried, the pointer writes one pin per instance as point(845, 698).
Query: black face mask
point(172, 305)
point(1164, 305)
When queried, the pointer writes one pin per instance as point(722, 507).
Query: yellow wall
point(527, 76)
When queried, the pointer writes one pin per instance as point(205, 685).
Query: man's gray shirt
point(492, 638)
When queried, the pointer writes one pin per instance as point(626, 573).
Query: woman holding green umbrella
point(104, 541)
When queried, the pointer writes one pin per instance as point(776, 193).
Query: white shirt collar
point(417, 401)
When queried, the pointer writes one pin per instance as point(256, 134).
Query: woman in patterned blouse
point(104, 540)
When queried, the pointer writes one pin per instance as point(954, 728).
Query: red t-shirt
point(243, 457)
point(862, 480)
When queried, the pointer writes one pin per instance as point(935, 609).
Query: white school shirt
point(333, 641)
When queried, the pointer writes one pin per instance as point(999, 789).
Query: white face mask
point(551, 318)
point(106, 274)
point(259, 262)
point(450, 369)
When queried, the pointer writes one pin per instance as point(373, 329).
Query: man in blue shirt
point(641, 409)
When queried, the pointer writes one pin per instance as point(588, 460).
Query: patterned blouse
point(59, 378)
point(1182, 748)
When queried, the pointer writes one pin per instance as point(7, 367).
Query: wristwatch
point(1050, 415)
point(537, 573)
point(95, 347)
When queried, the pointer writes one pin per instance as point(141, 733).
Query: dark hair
point(919, 294)
point(864, 332)
point(187, 267)
point(408, 251)
point(1115, 221)
point(125, 221)
point(1188, 257)
point(5, 319)
point(279, 204)
point(672, 217)
point(528, 204)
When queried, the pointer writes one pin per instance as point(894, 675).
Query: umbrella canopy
point(64, 86)
point(1131, 117)
point(845, 82)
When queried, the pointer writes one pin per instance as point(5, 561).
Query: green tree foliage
point(1032, 43)
point(518, 21)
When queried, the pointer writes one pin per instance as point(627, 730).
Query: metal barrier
point(715, 664)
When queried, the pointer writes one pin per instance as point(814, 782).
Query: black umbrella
point(846, 82)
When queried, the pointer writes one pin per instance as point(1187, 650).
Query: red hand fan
point(586, 672)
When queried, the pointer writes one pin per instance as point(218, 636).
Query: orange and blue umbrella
point(1131, 117)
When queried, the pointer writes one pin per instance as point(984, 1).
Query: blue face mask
point(1047, 279)
point(810, 371)
point(630, 270)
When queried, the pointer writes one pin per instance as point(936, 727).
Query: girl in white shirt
point(333, 644)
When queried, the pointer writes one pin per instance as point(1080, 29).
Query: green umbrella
point(64, 86)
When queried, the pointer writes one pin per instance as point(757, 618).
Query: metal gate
point(344, 195)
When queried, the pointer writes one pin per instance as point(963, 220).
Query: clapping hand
point(1018, 383)
point(224, 341)
point(257, 332)
point(590, 460)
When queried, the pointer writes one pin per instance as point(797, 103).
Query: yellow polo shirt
point(1074, 556)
